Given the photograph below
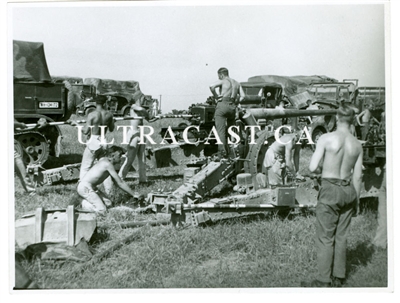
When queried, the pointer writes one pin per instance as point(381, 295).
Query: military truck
point(330, 94)
point(270, 91)
point(324, 93)
point(37, 95)
point(120, 96)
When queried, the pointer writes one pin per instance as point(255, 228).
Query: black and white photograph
point(190, 146)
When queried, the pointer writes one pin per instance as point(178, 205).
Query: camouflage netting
point(30, 62)
point(128, 89)
point(294, 84)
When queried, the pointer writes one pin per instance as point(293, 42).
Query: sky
point(174, 51)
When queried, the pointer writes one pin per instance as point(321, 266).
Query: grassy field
point(258, 252)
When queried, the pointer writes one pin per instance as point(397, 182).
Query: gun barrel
point(276, 113)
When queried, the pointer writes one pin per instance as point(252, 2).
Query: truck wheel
point(34, 145)
point(89, 110)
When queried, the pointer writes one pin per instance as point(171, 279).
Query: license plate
point(48, 104)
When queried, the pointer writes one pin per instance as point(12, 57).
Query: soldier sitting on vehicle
point(94, 200)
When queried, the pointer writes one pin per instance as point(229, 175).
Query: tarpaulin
point(30, 62)
point(72, 80)
point(294, 84)
point(128, 89)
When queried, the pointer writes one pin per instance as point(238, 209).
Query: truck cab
point(261, 94)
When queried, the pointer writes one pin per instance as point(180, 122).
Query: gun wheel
point(256, 154)
point(34, 147)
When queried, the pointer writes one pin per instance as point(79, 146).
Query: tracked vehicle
point(37, 95)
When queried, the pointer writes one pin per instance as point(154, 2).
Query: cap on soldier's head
point(100, 99)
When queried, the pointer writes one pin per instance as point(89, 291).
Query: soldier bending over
point(279, 159)
point(94, 200)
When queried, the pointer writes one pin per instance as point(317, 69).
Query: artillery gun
point(186, 203)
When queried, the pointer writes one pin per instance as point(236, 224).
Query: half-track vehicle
point(37, 95)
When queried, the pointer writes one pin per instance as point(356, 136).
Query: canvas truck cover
point(72, 80)
point(30, 62)
point(128, 89)
point(294, 84)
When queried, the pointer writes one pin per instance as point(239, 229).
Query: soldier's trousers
point(336, 203)
point(224, 118)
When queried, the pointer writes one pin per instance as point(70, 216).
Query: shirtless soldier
point(230, 94)
point(339, 155)
point(366, 117)
point(134, 147)
point(94, 120)
point(94, 200)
